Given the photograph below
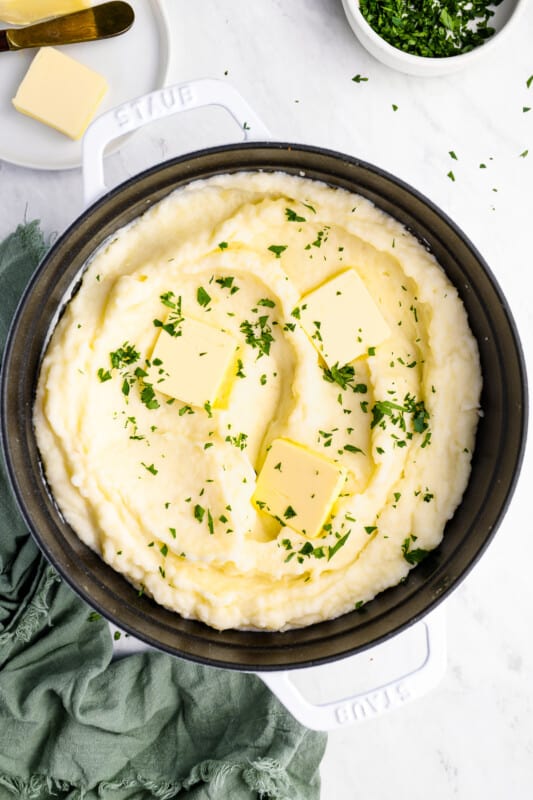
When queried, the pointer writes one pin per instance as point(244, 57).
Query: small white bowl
point(505, 16)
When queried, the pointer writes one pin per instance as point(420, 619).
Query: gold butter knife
point(99, 22)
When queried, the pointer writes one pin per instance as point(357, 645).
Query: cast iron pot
point(496, 462)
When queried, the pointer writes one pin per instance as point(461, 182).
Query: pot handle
point(157, 105)
point(378, 701)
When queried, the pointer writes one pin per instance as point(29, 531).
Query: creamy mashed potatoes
point(163, 490)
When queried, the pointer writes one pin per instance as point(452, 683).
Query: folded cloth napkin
point(75, 724)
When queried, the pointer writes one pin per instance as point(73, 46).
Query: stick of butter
point(60, 92)
point(298, 486)
point(23, 12)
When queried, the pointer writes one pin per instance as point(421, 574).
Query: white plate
point(134, 63)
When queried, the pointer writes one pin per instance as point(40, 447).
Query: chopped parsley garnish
point(151, 468)
point(175, 318)
point(240, 372)
point(210, 523)
point(344, 377)
point(450, 175)
point(292, 216)
point(163, 550)
point(223, 245)
point(238, 441)
point(208, 409)
point(266, 301)
point(199, 512)
point(125, 355)
point(359, 78)
point(104, 375)
point(384, 410)
point(332, 549)
point(258, 335)
point(277, 249)
point(289, 512)
point(185, 410)
point(202, 297)
point(173, 532)
point(148, 397)
point(227, 283)
point(413, 556)
point(94, 616)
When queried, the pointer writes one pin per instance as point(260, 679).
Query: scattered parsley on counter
point(359, 78)
point(453, 155)
point(529, 81)
point(450, 175)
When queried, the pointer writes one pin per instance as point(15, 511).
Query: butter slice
point(342, 320)
point(60, 92)
point(195, 363)
point(23, 12)
point(298, 486)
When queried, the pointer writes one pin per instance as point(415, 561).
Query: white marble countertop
point(294, 61)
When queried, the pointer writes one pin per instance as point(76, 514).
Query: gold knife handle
point(99, 22)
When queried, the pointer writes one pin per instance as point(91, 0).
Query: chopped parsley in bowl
point(430, 37)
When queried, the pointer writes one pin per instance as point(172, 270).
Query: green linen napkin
point(75, 724)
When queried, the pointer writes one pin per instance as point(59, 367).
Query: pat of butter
point(23, 12)
point(193, 364)
point(60, 92)
point(342, 320)
point(298, 486)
